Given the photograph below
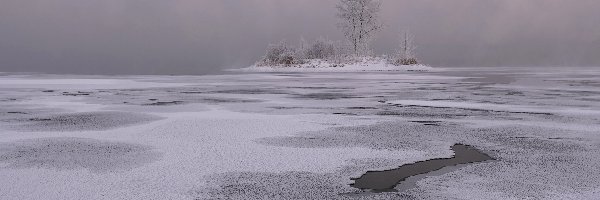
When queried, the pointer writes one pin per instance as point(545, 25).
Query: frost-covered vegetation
point(406, 54)
point(359, 22)
point(284, 54)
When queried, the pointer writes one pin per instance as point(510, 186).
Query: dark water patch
point(565, 138)
point(590, 99)
point(522, 137)
point(325, 96)
point(165, 103)
point(385, 181)
point(482, 94)
point(493, 102)
point(348, 114)
point(17, 112)
point(82, 121)
point(515, 93)
point(48, 91)
point(75, 153)
point(75, 94)
point(317, 88)
point(133, 90)
point(228, 100)
point(36, 119)
point(532, 113)
point(480, 110)
point(361, 108)
point(251, 91)
point(427, 122)
point(193, 92)
point(78, 93)
point(285, 107)
point(291, 75)
point(431, 88)
point(421, 114)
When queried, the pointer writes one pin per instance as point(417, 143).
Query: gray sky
point(201, 36)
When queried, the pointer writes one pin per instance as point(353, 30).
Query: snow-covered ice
point(299, 135)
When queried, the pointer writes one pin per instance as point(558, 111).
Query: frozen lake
point(299, 135)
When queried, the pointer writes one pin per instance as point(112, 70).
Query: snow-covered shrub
point(405, 61)
point(321, 49)
point(280, 54)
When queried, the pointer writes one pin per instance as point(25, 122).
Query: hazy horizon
point(198, 37)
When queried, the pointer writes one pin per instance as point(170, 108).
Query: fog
point(203, 36)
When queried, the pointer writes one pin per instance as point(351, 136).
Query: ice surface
point(82, 121)
point(74, 153)
point(497, 107)
point(298, 135)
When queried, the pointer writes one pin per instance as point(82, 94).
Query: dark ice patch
point(250, 91)
point(228, 100)
point(324, 96)
point(78, 93)
point(17, 112)
point(421, 114)
point(428, 123)
point(75, 153)
point(285, 185)
point(164, 103)
point(92, 121)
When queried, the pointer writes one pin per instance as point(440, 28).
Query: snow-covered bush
point(280, 54)
point(321, 49)
point(405, 61)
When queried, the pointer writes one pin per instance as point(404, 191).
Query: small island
point(359, 22)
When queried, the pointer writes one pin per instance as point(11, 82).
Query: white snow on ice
point(297, 135)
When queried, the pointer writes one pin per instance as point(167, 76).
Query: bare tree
point(359, 22)
point(406, 54)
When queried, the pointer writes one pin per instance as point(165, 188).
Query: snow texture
point(299, 135)
point(75, 153)
point(83, 121)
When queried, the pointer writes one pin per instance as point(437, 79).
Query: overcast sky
point(201, 36)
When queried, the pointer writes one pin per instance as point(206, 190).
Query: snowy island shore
point(319, 65)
